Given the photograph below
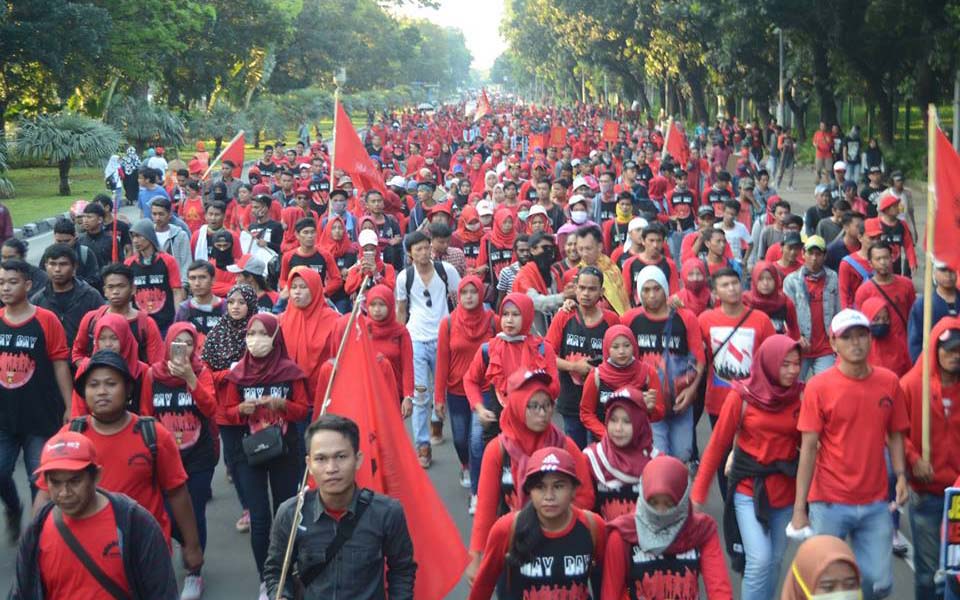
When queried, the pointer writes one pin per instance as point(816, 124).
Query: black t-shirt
point(271, 231)
point(560, 568)
point(872, 195)
point(579, 341)
point(30, 401)
point(175, 409)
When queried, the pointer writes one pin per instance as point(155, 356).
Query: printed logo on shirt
point(885, 403)
point(140, 458)
point(733, 361)
point(16, 369)
point(111, 550)
point(150, 300)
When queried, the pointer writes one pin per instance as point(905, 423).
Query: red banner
point(538, 140)
point(351, 156)
point(947, 181)
point(611, 129)
point(558, 136)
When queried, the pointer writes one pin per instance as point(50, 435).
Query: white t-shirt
point(424, 321)
point(738, 238)
point(163, 236)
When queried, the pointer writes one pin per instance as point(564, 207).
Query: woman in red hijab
point(767, 296)
point(824, 566)
point(618, 459)
point(886, 349)
point(344, 251)
point(496, 247)
point(683, 545)
point(308, 322)
point(695, 295)
point(267, 394)
point(470, 231)
point(621, 367)
point(459, 337)
point(179, 392)
point(526, 427)
point(758, 421)
point(391, 339)
point(112, 332)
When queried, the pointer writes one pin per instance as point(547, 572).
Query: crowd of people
point(504, 282)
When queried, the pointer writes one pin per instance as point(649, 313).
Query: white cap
point(636, 223)
point(577, 199)
point(575, 162)
point(847, 318)
point(485, 208)
point(368, 237)
point(397, 181)
point(579, 182)
point(839, 166)
point(537, 209)
point(593, 153)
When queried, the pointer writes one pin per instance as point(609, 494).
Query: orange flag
point(947, 181)
point(483, 106)
point(351, 156)
point(364, 390)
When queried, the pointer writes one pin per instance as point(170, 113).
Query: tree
point(65, 138)
point(221, 122)
point(144, 123)
point(6, 187)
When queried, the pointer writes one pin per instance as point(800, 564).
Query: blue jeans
point(424, 364)
point(460, 417)
point(926, 514)
point(673, 435)
point(198, 484)
point(10, 446)
point(573, 427)
point(813, 366)
point(231, 436)
point(477, 447)
point(870, 530)
point(762, 547)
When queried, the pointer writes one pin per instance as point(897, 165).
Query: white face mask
point(259, 346)
point(839, 595)
point(474, 226)
point(578, 216)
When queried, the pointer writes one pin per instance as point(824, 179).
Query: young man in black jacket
point(65, 295)
point(379, 530)
point(80, 533)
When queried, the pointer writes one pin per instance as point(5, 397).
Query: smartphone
point(368, 255)
point(595, 361)
point(179, 352)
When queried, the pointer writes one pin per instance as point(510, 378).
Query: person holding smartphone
point(370, 264)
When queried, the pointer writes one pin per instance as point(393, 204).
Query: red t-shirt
point(850, 279)
point(819, 341)
point(64, 576)
point(853, 418)
point(901, 292)
point(735, 359)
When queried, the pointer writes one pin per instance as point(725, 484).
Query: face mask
point(840, 595)
point(545, 259)
point(879, 330)
point(523, 214)
point(578, 216)
point(624, 216)
point(260, 346)
point(695, 286)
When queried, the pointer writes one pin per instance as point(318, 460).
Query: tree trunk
point(695, 79)
point(731, 105)
point(256, 139)
point(823, 85)
point(885, 120)
point(64, 167)
point(800, 114)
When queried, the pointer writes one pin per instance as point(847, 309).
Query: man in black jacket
point(81, 531)
point(377, 529)
point(88, 265)
point(65, 294)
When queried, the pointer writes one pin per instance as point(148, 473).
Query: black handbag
point(263, 446)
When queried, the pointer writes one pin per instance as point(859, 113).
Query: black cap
point(949, 339)
point(428, 183)
point(629, 164)
point(102, 358)
point(874, 169)
point(792, 238)
point(705, 210)
point(896, 176)
point(679, 171)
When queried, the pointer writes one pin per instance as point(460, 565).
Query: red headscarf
point(307, 329)
point(474, 324)
point(519, 440)
point(765, 303)
point(128, 343)
point(636, 374)
point(498, 236)
point(388, 328)
point(159, 370)
point(334, 247)
point(274, 367)
point(468, 215)
point(762, 388)
point(625, 464)
point(694, 295)
point(515, 352)
point(887, 351)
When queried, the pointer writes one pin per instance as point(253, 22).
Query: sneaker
point(900, 544)
point(263, 592)
point(14, 522)
point(243, 523)
point(425, 456)
point(465, 479)
point(192, 587)
point(436, 433)
point(472, 507)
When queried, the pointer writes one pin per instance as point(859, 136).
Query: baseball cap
point(839, 166)
point(942, 265)
point(102, 358)
point(679, 171)
point(874, 169)
point(428, 183)
point(847, 318)
point(575, 162)
point(897, 176)
point(815, 241)
point(537, 209)
point(484, 207)
point(344, 181)
point(579, 182)
point(821, 188)
point(872, 227)
point(576, 199)
point(792, 238)
point(886, 201)
point(67, 451)
point(629, 164)
point(249, 263)
point(949, 339)
point(592, 182)
point(550, 460)
point(705, 210)
point(368, 237)
point(261, 189)
point(397, 181)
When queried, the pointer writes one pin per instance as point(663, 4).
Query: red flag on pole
point(483, 106)
point(947, 220)
point(677, 145)
point(234, 153)
point(364, 390)
point(351, 156)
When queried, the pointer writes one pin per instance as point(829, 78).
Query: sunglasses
point(426, 294)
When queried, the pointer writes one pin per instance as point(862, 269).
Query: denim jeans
point(198, 484)
point(812, 366)
point(763, 548)
point(10, 446)
point(926, 513)
point(870, 530)
point(477, 446)
point(424, 364)
point(460, 416)
point(231, 436)
point(573, 427)
point(673, 435)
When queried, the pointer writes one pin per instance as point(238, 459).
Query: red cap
point(67, 451)
point(665, 475)
point(261, 189)
point(886, 201)
point(303, 188)
point(872, 227)
point(195, 166)
point(551, 460)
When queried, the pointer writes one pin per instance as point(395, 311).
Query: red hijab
point(765, 303)
point(128, 343)
point(334, 247)
point(515, 352)
point(624, 464)
point(159, 370)
point(274, 367)
point(469, 215)
point(636, 374)
point(694, 295)
point(473, 325)
point(888, 351)
point(388, 328)
point(498, 236)
point(762, 388)
point(306, 330)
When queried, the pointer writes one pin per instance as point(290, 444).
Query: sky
point(479, 21)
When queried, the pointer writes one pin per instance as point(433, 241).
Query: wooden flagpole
point(333, 136)
point(301, 493)
point(928, 276)
point(219, 156)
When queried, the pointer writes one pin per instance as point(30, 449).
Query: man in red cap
point(855, 267)
point(87, 542)
point(897, 234)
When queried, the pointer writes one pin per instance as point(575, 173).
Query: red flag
point(677, 145)
point(483, 106)
point(947, 181)
point(364, 390)
point(538, 140)
point(234, 153)
point(558, 136)
point(610, 131)
point(351, 156)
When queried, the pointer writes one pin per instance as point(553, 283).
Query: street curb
point(39, 227)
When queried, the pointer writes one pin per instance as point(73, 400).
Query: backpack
point(441, 273)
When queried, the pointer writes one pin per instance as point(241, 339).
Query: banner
point(538, 140)
point(483, 106)
point(611, 129)
point(950, 539)
point(558, 136)
point(351, 156)
point(947, 181)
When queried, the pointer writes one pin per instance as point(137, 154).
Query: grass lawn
point(36, 191)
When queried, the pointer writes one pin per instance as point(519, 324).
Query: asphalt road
point(230, 573)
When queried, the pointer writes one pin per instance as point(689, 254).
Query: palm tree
point(65, 138)
point(6, 187)
point(221, 122)
point(143, 123)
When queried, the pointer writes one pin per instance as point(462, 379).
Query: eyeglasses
point(426, 294)
point(544, 408)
